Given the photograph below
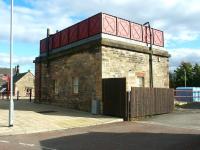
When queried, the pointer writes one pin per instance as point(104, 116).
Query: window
point(75, 85)
point(56, 86)
point(28, 90)
point(140, 81)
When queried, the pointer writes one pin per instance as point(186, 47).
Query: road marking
point(25, 144)
point(1, 141)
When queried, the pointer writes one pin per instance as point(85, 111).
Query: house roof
point(18, 76)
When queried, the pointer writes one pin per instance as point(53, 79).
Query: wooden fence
point(150, 101)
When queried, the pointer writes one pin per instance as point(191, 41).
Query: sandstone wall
point(84, 65)
point(118, 63)
point(27, 81)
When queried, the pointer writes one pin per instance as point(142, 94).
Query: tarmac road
point(116, 136)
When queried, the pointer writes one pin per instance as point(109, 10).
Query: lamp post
point(11, 108)
point(147, 24)
point(185, 77)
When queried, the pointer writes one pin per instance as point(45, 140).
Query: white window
point(56, 86)
point(140, 81)
point(75, 85)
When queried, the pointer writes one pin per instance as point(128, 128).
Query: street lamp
point(147, 24)
point(185, 76)
point(11, 108)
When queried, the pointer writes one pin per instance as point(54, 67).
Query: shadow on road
point(124, 141)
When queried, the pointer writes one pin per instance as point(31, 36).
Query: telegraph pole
point(11, 109)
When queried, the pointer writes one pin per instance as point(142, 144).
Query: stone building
point(23, 83)
point(74, 61)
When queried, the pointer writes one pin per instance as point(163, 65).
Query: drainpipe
point(147, 24)
point(48, 35)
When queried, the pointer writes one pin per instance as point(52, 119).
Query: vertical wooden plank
point(151, 101)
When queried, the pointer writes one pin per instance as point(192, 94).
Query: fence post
point(8, 95)
point(30, 94)
point(127, 107)
point(17, 95)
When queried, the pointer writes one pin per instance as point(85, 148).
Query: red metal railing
point(102, 23)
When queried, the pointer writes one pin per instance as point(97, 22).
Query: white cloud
point(184, 54)
point(30, 23)
point(177, 18)
point(25, 62)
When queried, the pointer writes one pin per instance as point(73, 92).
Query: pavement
point(114, 136)
point(32, 118)
point(186, 117)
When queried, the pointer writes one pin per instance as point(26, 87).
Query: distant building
point(74, 62)
point(23, 83)
point(3, 71)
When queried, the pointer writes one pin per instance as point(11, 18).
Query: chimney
point(48, 32)
point(17, 70)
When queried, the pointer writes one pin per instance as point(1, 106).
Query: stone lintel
point(133, 47)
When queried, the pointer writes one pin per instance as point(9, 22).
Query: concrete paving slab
point(33, 118)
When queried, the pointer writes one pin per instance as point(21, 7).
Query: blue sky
point(179, 19)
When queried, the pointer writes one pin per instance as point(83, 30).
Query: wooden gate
point(114, 97)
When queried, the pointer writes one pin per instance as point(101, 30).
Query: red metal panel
point(56, 40)
point(136, 32)
point(43, 46)
point(146, 35)
point(158, 37)
point(123, 28)
point(109, 24)
point(83, 29)
point(73, 33)
point(64, 37)
point(95, 25)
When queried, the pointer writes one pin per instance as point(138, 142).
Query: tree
point(172, 80)
point(177, 78)
point(187, 68)
point(196, 75)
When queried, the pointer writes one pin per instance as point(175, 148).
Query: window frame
point(75, 85)
point(56, 87)
point(141, 78)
